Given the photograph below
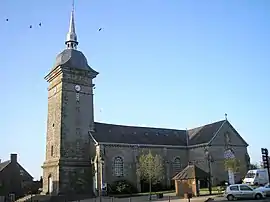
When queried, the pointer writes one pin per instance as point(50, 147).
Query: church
point(82, 155)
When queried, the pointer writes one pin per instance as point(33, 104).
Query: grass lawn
point(203, 191)
point(215, 190)
point(143, 194)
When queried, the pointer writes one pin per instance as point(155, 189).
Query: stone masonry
point(69, 120)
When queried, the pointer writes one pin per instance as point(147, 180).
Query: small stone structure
point(187, 181)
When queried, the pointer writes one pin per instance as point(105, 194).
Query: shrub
point(155, 187)
point(122, 187)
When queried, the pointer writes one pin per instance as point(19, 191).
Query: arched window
point(50, 184)
point(118, 166)
point(177, 164)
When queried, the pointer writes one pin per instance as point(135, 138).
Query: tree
point(232, 164)
point(151, 169)
point(254, 166)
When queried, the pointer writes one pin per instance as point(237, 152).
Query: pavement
point(167, 199)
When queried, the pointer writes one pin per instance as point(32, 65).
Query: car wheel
point(258, 196)
point(230, 197)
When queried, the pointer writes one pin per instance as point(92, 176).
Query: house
point(14, 179)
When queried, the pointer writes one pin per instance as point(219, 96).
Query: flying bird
point(39, 24)
point(7, 19)
point(30, 26)
point(99, 29)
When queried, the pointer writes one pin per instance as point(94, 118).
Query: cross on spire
point(71, 40)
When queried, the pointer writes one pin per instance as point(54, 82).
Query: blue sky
point(172, 64)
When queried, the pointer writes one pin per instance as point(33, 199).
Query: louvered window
point(118, 166)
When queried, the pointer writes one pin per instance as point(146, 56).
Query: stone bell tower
point(67, 167)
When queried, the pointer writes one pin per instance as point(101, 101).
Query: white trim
point(176, 158)
point(216, 133)
point(176, 167)
point(115, 156)
point(150, 145)
point(232, 145)
point(122, 165)
point(90, 134)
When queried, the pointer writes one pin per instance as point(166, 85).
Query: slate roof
point(190, 172)
point(204, 133)
point(4, 164)
point(111, 133)
point(74, 59)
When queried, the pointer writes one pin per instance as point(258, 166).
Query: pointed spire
point(71, 41)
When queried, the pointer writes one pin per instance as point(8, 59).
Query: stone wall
point(70, 118)
point(130, 155)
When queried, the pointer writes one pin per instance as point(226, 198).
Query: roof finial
point(226, 116)
point(71, 41)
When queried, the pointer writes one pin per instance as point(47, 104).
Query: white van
point(256, 177)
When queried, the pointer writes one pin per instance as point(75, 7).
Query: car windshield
point(250, 175)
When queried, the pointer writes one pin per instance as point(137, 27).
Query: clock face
point(77, 88)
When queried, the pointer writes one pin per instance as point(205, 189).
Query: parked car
point(243, 191)
point(265, 189)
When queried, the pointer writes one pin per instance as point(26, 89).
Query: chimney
point(13, 158)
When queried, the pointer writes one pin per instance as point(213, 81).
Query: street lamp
point(209, 160)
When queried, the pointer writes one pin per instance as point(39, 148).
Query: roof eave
point(142, 145)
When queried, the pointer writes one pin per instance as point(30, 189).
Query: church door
point(50, 184)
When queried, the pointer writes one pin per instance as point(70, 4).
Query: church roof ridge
point(159, 128)
point(137, 126)
point(210, 123)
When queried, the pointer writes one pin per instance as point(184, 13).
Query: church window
point(51, 150)
point(118, 166)
point(78, 146)
point(177, 164)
